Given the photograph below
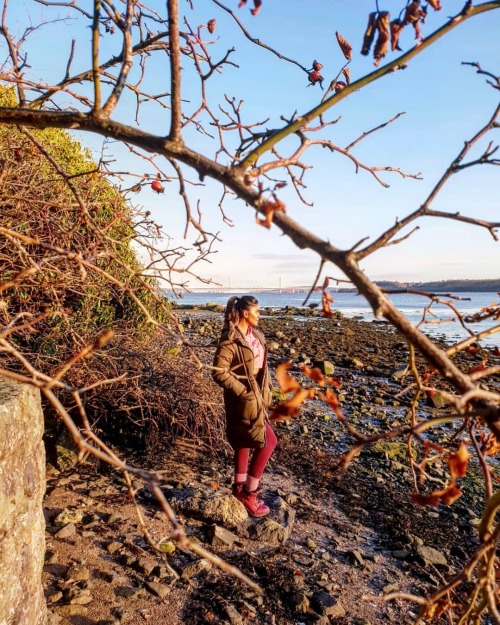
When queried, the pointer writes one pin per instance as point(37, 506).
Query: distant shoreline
point(441, 286)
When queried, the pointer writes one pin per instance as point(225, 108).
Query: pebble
point(400, 554)
point(233, 615)
point(130, 592)
point(300, 602)
point(160, 590)
point(52, 595)
point(431, 555)
point(113, 546)
point(67, 531)
point(82, 599)
point(194, 568)
point(78, 573)
point(145, 565)
point(68, 515)
point(327, 604)
point(356, 556)
point(311, 544)
point(71, 610)
point(51, 557)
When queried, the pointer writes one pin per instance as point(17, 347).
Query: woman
point(240, 367)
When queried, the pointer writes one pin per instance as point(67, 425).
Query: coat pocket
point(249, 408)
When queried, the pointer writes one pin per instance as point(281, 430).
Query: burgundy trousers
point(260, 457)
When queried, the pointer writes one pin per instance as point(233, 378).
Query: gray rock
point(325, 366)
point(129, 592)
point(400, 554)
point(194, 568)
point(431, 555)
point(224, 510)
point(113, 546)
point(221, 537)
point(84, 598)
point(270, 532)
point(128, 560)
point(399, 373)
point(51, 557)
point(78, 573)
point(233, 615)
point(277, 529)
point(113, 518)
point(356, 557)
point(282, 513)
point(325, 603)
point(53, 619)
point(145, 565)
point(160, 590)
point(52, 595)
point(67, 531)
point(71, 610)
point(300, 602)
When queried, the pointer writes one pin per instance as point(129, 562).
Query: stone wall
point(22, 485)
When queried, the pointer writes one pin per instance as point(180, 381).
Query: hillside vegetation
point(75, 301)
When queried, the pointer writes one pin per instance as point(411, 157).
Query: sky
point(445, 103)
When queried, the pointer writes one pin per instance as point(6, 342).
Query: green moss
point(393, 450)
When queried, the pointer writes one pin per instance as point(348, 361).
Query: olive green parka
point(234, 366)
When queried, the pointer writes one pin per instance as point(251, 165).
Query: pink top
point(257, 348)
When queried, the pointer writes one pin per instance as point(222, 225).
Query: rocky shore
point(331, 548)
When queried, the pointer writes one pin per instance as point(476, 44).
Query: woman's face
point(252, 315)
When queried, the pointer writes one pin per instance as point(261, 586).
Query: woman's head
point(244, 307)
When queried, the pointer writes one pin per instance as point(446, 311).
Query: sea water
point(353, 305)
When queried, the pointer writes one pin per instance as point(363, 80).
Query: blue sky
point(445, 103)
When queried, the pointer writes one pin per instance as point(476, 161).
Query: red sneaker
point(255, 506)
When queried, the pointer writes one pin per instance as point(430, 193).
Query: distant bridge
point(250, 289)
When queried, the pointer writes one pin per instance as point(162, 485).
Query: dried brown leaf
point(414, 14)
point(290, 407)
point(447, 496)
point(316, 375)
point(369, 34)
point(347, 74)
point(396, 30)
point(458, 461)
point(345, 46)
point(285, 381)
point(382, 43)
point(435, 4)
point(257, 5)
